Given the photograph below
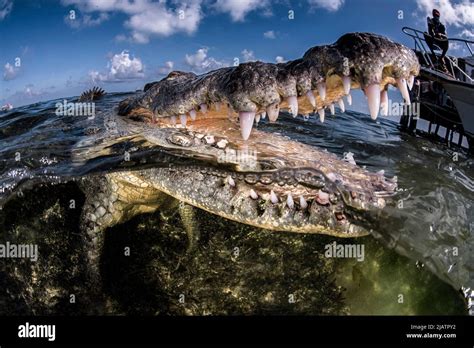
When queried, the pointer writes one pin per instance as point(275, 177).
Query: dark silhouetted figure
point(436, 38)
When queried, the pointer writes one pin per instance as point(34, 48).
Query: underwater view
point(302, 162)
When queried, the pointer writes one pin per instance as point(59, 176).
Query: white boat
point(446, 97)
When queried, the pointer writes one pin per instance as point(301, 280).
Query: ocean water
point(417, 260)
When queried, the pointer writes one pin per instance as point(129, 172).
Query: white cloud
point(10, 72)
point(238, 9)
point(30, 91)
point(121, 38)
point(200, 62)
point(5, 8)
point(269, 34)
point(147, 18)
point(121, 68)
point(86, 20)
point(459, 14)
point(29, 94)
point(166, 68)
point(454, 46)
point(329, 5)
point(248, 55)
point(468, 33)
point(280, 59)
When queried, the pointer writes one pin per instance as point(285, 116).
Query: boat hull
point(463, 99)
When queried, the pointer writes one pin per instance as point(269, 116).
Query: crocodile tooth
point(384, 103)
point(246, 123)
point(293, 105)
point(322, 90)
point(303, 203)
point(402, 86)
point(322, 198)
point(321, 115)
point(231, 181)
point(289, 201)
point(230, 111)
point(311, 98)
point(349, 99)
point(346, 82)
point(373, 97)
point(209, 139)
point(221, 144)
point(263, 115)
point(183, 120)
point(203, 108)
point(253, 194)
point(257, 118)
point(341, 105)
point(410, 81)
point(192, 114)
point(331, 108)
point(173, 120)
point(272, 111)
point(273, 197)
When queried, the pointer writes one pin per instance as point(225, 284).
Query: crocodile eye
point(180, 139)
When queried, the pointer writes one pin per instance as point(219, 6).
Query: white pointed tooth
point(311, 98)
point(402, 86)
point(290, 202)
point(384, 103)
point(253, 194)
point(349, 99)
point(293, 105)
point(321, 115)
point(173, 120)
point(346, 83)
point(263, 115)
point(341, 105)
point(217, 106)
point(272, 111)
point(331, 109)
point(192, 114)
point(230, 111)
point(257, 118)
point(373, 97)
point(303, 203)
point(246, 123)
point(322, 90)
point(230, 181)
point(203, 108)
point(411, 81)
point(273, 197)
point(183, 119)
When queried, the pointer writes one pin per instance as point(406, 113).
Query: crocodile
point(218, 161)
point(200, 147)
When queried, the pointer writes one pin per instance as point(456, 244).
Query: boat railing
point(421, 46)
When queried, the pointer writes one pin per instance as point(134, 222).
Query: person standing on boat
point(437, 37)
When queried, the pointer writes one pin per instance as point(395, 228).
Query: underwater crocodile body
point(287, 185)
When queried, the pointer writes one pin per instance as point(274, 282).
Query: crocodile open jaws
point(248, 175)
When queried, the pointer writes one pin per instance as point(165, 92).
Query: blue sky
point(122, 44)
